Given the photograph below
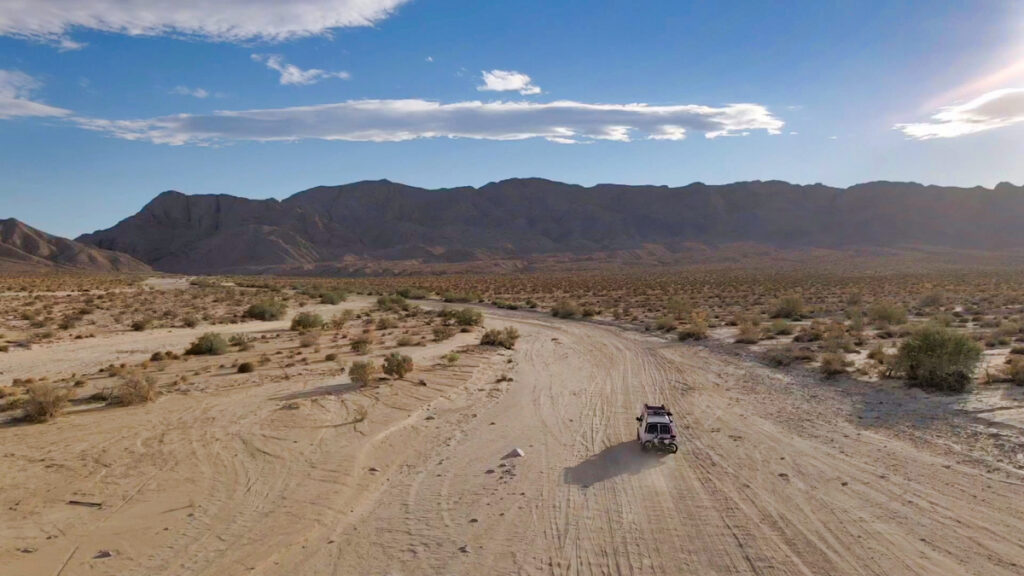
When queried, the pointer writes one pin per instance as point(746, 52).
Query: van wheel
point(646, 446)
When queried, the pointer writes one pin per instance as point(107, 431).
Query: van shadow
point(625, 458)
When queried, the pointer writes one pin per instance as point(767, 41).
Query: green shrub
point(362, 372)
point(413, 293)
point(451, 358)
point(397, 365)
point(266, 310)
point(307, 321)
point(505, 337)
point(468, 317)
point(938, 358)
point(460, 297)
point(394, 303)
point(210, 343)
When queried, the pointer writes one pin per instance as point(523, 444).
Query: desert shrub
point(386, 323)
point(304, 321)
point(787, 355)
point(141, 324)
point(190, 321)
point(938, 358)
point(332, 357)
point(506, 305)
point(360, 344)
point(404, 341)
point(335, 297)
point(460, 297)
point(45, 401)
point(678, 308)
point(309, 339)
point(665, 324)
point(833, 364)
point(933, 299)
point(266, 310)
point(442, 333)
point(210, 343)
point(748, 333)
point(246, 368)
point(451, 358)
point(362, 372)
point(136, 388)
point(887, 314)
point(791, 306)
point(468, 317)
point(241, 341)
point(505, 337)
point(339, 320)
point(397, 365)
point(1015, 370)
point(1017, 350)
point(780, 327)
point(566, 309)
point(393, 303)
point(697, 329)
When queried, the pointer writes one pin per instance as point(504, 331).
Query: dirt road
point(773, 476)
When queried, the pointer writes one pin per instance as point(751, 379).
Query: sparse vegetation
point(504, 337)
point(136, 388)
point(362, 372)
point(266, 310)
point(938, 358)
point(397, 365)
point(210, 343)
point(304, 321)
point(45, 401)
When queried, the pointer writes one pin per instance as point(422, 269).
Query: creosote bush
point(307, 321)
point(566, 309)
point(211, 343)
point(791, 306)
point(362, 372)
point(45, 401)
point(136, 388)
point(266, 310)
point(504, 337)
point(397, 365)
point(938, 358)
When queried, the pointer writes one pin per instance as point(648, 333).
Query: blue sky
point(105, 103)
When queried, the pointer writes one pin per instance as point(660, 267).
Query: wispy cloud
point(16, 89)
point(193, 92)
point(400, 120)
point(507, 81)
point(292, 74)
point(995, 109)
point(221, 20)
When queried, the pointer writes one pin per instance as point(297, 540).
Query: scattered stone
point(27, 550)
point(464, 548)
point(103, 554)
point(430, 417)
point(473, 520)
point(489, 471)
point(515, 453)
point(374, 469)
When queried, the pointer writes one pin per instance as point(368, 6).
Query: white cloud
point(220, 20)
point(995, 109)
point(15, 89)
point(292, 74)
point(193, 92)
point(507, 81)
point(400, 120)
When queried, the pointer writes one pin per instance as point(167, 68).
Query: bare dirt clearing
point(311, 476)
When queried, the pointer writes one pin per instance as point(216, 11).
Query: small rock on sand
point(515, 453)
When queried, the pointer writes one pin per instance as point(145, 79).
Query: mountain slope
point(519, 218)
point(26, 249)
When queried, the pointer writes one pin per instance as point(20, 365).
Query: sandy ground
point(775, 475)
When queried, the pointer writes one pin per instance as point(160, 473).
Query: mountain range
point(26, 249)
point(348, 227)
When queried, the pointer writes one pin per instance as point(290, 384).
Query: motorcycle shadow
point(625, 458)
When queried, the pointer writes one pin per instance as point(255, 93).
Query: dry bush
point(748, 333)
point(45, 401)
point(884, 314)
point(566, 309)
point(362, 372)
point(442, 333)
point(246, 368)
point(505, 337)
point(791, 306)
point(211, 343)
point(309, 339)
point(307, 321)
point(451, 358)
point(266, 310)
point(833, 364)
point(361, 344)
point(136, 388)
point(397, 365)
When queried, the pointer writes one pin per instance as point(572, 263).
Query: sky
point(106, 103)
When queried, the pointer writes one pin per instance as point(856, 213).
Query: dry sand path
point(773, 477)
